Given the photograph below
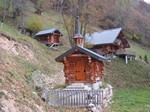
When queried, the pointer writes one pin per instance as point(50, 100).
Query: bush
point(34, 25)
point(140, 57)
point(60, 86)
point(146, 59)
point(137, 37)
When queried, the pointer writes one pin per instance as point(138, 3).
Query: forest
point(132, 15)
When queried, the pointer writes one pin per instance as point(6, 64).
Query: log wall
point(93, 70)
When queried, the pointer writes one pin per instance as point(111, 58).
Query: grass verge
point(132, 100)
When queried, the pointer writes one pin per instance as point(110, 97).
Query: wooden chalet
point(82, 65)
point(108, 41)
point(49, 36)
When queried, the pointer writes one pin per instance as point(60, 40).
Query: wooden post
point(126, 59)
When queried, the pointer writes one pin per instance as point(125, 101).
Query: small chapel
point(81, 65)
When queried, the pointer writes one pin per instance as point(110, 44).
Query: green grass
point(15, 34)
point(130, 82)
point(132, 100)
point(45, 57)
point(50, 19)
point(20, 69)
point(133, 74)
point(47, 21)
point(1, 4)
point(140, 50)
point(60, 86)
point(8, 29)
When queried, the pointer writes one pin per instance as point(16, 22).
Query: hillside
point(20, 58)
point(24, 62)
point(132, 75)
point(131, 83)
point(26, 68)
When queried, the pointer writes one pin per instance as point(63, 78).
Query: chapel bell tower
point(78, 39)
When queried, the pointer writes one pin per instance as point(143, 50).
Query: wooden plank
point(71, 99)
point(77, 98)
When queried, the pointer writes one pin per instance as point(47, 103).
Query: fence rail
point(80, 98)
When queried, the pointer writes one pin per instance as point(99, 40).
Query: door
point(54, 39)
point(80, 74)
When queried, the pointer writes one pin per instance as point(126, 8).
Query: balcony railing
point(125, 52)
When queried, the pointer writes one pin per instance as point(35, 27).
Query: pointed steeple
point(78, 39)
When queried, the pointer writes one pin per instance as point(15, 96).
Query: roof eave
point(126, 40)
point(53, 30)
point(102, 44)
point(100, 58)
point(60, 58)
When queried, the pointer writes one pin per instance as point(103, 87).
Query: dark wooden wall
point(49, 39)
point(112, 48)
point(106, 49)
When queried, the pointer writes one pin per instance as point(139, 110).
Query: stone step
point(78, 86)
point(74, 87)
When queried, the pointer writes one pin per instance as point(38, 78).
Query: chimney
point(78, 39)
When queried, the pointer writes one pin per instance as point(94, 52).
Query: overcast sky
point(148, 1)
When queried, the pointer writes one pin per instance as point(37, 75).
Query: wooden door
point(54, 39)
point(80, 74)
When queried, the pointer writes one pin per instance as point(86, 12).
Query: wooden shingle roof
point(83, 50)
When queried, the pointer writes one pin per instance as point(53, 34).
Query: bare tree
point(74, 8)
point(6, 6)
point(38, 6)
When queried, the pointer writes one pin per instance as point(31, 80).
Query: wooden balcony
point(125, 52)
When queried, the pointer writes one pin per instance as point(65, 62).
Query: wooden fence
point(78, 98)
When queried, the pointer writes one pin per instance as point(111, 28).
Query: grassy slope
point(132, 100)
point(131, 82)
point(134, 74)
point(19, 69)
point(140, 50)
point(22, 69)
point(42, 53)
point(128, 79)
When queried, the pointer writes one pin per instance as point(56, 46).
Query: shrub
point(140, 57)
point(60, 86)
point(137, 37)
point(34, 25)
point(146, 59)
